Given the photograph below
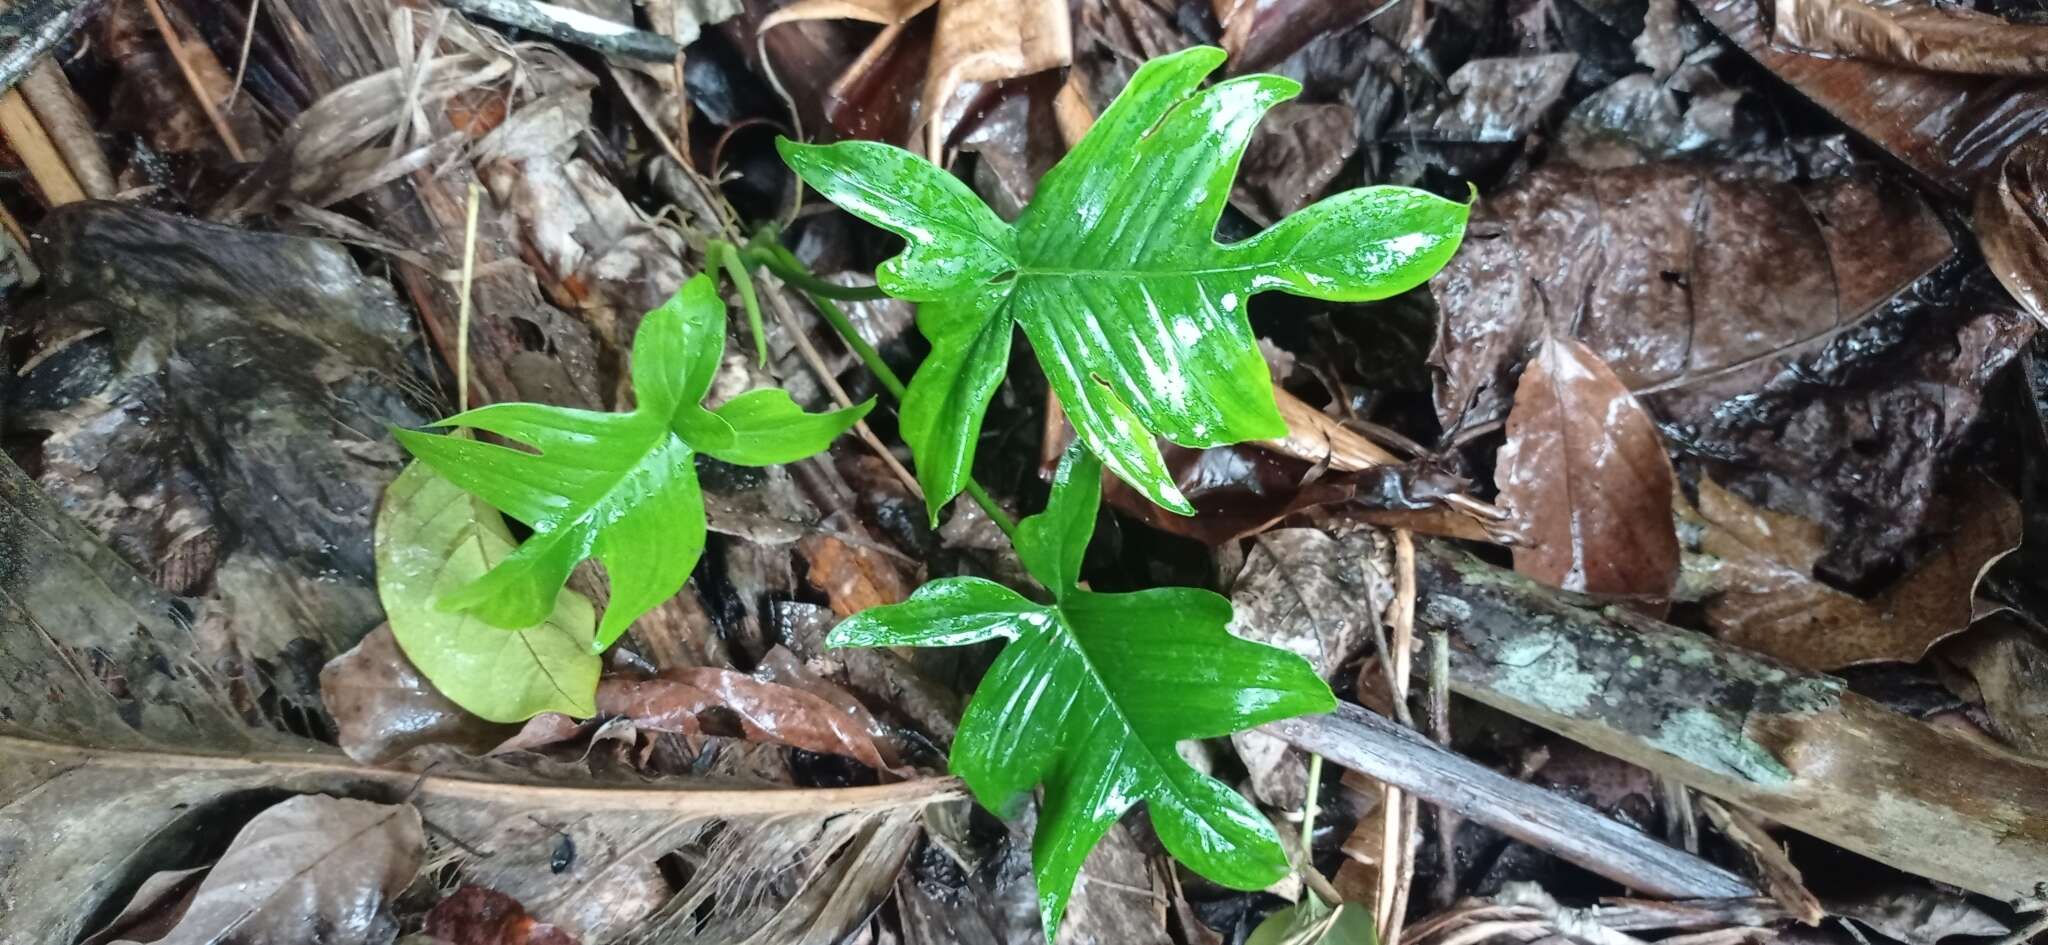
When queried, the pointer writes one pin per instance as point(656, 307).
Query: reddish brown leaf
point(1768, 600)
point(2012, 225)
point(1951, 128)
point(474, 915)
point(1585, 476)
point(1922, 35)
point(853, 578)
point(679, 699)
point(383, 707)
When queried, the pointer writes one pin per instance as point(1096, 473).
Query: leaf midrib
point(1073, 639)
point(663, 433)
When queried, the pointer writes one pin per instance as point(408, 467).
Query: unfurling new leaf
point(1092, 695)
point(1136, 313)
point(619, 487)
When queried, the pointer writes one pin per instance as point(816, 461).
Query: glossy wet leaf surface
point(1092, 694)
point(618, 487)
point(1113, 272)
point(434, 539)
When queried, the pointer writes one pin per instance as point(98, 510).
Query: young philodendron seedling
point(1113, 271)
point(620, 487)
point(1094, 692)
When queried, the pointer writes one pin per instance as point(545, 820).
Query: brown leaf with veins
point(1912, 33)
point(2012, 225)
point(1670, 273)
point(989, 40)
point(1585, 477)
point(679, 700)
point(309, 862)
point(384, 707)
point(1769, 601)
point(1952, 128)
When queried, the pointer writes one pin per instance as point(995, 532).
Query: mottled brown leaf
point(1769, 601)
point(475, 915)
point(1913, 33)
point(679, 700)
point(988, 40)
point(383, 707)
point(1585, 477)
point(1668, 272)
point(853, 578)
point(2012, 225)
point(1952, 128)
point(2006, 668)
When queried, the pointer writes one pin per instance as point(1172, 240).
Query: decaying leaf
point(853, 578)
point(1916, 34)
point(1586, 479)
point(2012, 225)
point(678, 699)
point(476, 915)
point(1951, 128)
point(988, 40)
point(1668, 272)
point(1768, 599)
point(1318, 595)
point(2006, 668)
point(309, 862)
point(434, 539)
point(383, 706)
point(126, 760)
point(1496, 100)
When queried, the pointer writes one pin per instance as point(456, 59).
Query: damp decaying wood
point(1793, 746)
point(1368, 743)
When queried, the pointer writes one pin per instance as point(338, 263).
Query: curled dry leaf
point(1951, 128)
point(310, 862)
point(475, 915)
point(1669, 272)
point(1769, 601)
point(384, 707)
point(2012, 225)
point(988, 40)
point(679, 699)
point(1585, 476)
point(2005, 666)
point(1913, 33)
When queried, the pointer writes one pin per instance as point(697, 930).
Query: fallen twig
point(573, 26)
point(1789, 744)
point(29, 28)
point(1365, 742)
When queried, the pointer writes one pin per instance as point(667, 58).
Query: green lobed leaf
point(617, 487)
point(1135, 312)
point(1092, 696)
point(432, 538)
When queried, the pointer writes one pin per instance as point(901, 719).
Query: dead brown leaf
point(986, 41)
point(1913, 33)
point(2012, 225)
point(1668, 272)
point(852, 578)
point(1769, 601)
point(1952, 128)
point(475, 915)
point(384, 707)
point(308, 862)
point(1585, 477)
point(680, 699)
point(2005, 666)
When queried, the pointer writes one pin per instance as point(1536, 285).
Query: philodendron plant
point(1138, 317)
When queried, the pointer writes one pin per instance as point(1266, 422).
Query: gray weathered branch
point(29, 28)
point(1788, 744)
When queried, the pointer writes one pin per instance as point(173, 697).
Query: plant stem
point(1308, 805)
point(784, 264)
point(777, 258)
point(723, 255)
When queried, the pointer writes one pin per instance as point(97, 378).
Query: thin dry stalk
point(242, 58)
point(69, 125)
point(45, 166)
point(462, 311)
point(1397, 863)
point(183, 58)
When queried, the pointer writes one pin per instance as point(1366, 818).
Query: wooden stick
point(45, 166)
point(183, 58)
point(30, 28)
point(1364, 742)
point(70, 128)
point(1791, 745)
